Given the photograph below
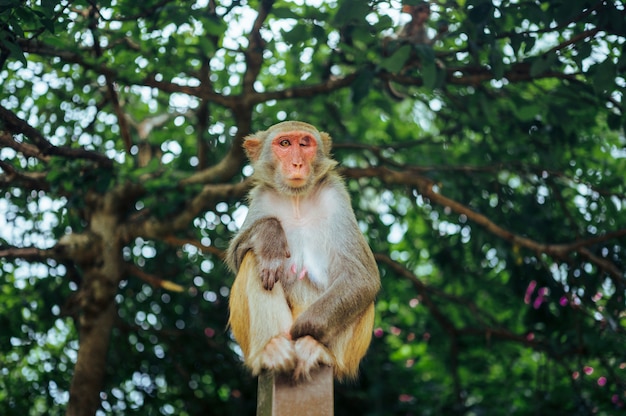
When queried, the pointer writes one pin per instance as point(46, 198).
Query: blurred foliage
point(510, 301)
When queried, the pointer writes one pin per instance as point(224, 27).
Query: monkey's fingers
point(268, 279)
point(278, 355)
point(310, 354)
point(271, 270)
point(269, 276)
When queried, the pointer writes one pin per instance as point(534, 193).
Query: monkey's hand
point(310, 354)
point(266, 238)
point(269, 243)
point(271, 259)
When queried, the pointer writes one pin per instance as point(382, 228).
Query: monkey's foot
point(277, 355)
point(310, 354)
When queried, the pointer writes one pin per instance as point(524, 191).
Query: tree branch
point(31, 254)
point(156, 228)
point(93, 17)
point(13, 177)
point(556, 28)
point(18, 126)
point(224, 170)
point(488, 331)
point(581, 36)
point(153, 280)
point(424, 291)
point(28, 150)
point(176, 241)
point(560, 251)
point(307, 91)
point(256, 45)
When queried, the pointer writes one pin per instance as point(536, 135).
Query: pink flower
point(541, 297)
point(406, 398)
point(529, 291)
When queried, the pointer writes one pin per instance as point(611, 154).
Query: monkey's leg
point(260, 320)
point(351, 345)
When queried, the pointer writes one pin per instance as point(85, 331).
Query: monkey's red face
point(295, 151)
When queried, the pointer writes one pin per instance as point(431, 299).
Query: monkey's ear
point(327, 142)
point(253, 145)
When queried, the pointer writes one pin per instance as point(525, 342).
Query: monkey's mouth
point(296, 181)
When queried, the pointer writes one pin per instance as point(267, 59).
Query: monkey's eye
point(284, 143)
point(306, 141)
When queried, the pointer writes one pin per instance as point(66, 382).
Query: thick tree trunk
point(91, 364)
point(101, 277)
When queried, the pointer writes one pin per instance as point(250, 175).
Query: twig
point(153, 280)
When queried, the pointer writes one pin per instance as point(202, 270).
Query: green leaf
point(603, 75)
point(351, 11)
point(425, 53)
point(480, 13)
point(215, 27)
point(527, 112)
point(362, 37)
point(16, 27)
point(318, 32)
point(583, 51)
point(299, 33)
point(284, 13)
point(397, 60)
point(362, 85)
point(614, 121)
point(516, 42)
point(429, 74)
point(542, 64)
point(428, 65)
point(15, 51)
point(7, 4)
point(47, 7)
point(497, 65)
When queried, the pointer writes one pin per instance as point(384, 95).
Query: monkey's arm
point(353, 290)
point(352, 272)
point(266, 238)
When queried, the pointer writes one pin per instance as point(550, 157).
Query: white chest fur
point(308, 227)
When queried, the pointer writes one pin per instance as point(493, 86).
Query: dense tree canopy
point(487, 171)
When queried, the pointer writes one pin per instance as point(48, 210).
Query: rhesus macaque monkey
point(306, 278)
point(415, 30)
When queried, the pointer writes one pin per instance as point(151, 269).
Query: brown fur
point(415, 30)
point(348, 348)
point(306, 279)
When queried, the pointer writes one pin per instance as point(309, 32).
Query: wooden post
point(278, 395)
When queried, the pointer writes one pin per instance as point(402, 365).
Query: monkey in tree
point(415, 30)
point(306, 278)
point(414, 33)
